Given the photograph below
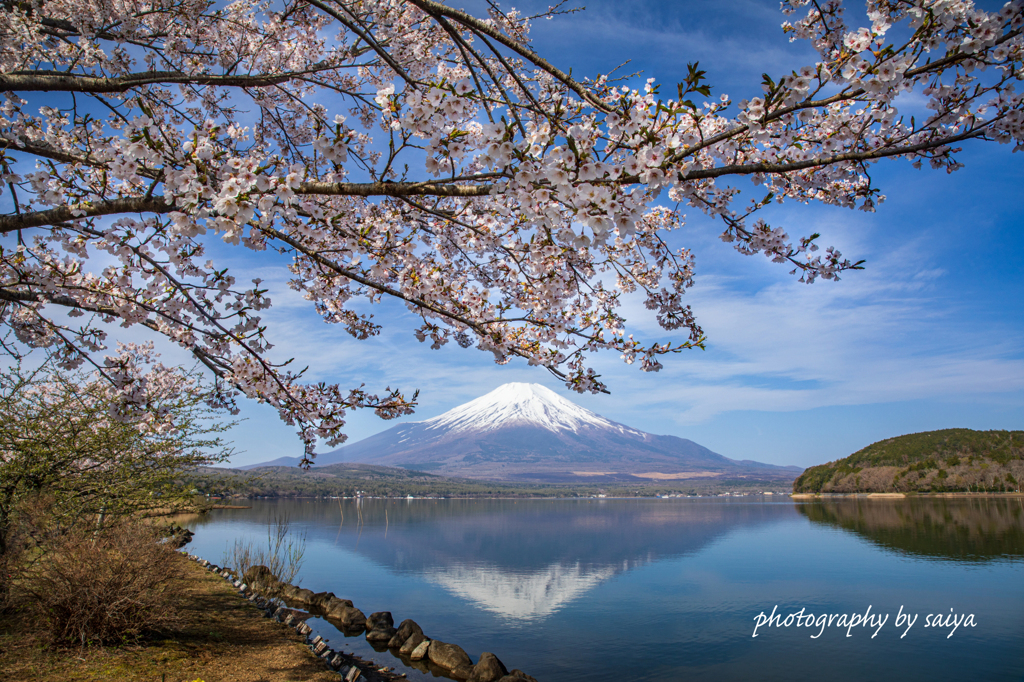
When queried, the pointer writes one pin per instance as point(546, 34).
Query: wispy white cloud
point(913, 327)
point(735, 42)
point(899, 331)
point(881, 336)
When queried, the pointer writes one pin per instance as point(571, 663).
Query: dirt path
point(224, 639)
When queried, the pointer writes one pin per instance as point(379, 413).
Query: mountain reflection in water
point(519, 596)
point(522, 559)
point(964, 529)
point(651, 590)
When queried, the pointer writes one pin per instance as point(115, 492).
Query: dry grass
point(106, 589)
point(221, 638)
point(282, 553)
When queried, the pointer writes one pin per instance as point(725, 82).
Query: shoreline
point(519, 498)
point(908, 496)
point(793, 496)
point(293, 606)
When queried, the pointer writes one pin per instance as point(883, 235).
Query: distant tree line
point(286, 482)
point(950, 460)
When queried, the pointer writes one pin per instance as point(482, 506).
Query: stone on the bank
point(335, 604)
point(261, 578)
point(380, 634)
point(321, 599)
point(379, 617)
point(350, 617)
point(517, 675)
point(405, 630)
point(421, 651)
point(380, 627)
point(488, 669)
point(448, 656)
point(303, 596)
point(410, 644)
point(463, 673)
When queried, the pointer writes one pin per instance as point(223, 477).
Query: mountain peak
point(523, 431)
point(518, 403)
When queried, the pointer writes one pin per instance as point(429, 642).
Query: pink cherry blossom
point(410, 150)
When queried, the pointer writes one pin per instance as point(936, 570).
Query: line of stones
point(344, 665)
point(408, 638)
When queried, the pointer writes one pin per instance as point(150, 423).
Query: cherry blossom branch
point(438, 10)
point(31, 81)
point(824, 162)
point(63, 214)
point(501, 196)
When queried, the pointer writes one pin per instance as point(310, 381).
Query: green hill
point(933, 461)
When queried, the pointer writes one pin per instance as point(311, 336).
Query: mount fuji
point(527, 432)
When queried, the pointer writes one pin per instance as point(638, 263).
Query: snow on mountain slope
point(524, 431)
point(520, 405)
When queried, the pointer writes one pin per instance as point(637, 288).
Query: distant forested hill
point(933, 461)
point(346, 478)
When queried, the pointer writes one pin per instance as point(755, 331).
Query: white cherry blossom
point(410, 150)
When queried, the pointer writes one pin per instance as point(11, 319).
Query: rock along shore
point(292, 605)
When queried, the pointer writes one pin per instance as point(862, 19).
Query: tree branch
point(751, 168)
point(394, 189)
point(63, 214)
point(436, 9)
point(52, 81)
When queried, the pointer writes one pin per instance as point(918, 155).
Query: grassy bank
point(221, 638)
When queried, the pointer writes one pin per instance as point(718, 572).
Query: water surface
point(650, 589)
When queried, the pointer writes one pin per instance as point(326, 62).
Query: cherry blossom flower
point(412, 151)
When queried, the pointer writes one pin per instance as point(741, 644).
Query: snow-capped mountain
point(524, 431)
point(519, 404)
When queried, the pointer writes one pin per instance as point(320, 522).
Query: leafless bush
point(102, 588)
point(283, 554)
point(10, 560)
point(27, 524)
point(13, 560)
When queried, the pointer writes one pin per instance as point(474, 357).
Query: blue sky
point(929, 336)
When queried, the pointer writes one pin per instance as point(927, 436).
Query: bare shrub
point(24, 533)
point(102, 588)
point(10, 562)
point(283, 554)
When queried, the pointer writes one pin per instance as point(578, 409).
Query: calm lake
point(650, 589)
